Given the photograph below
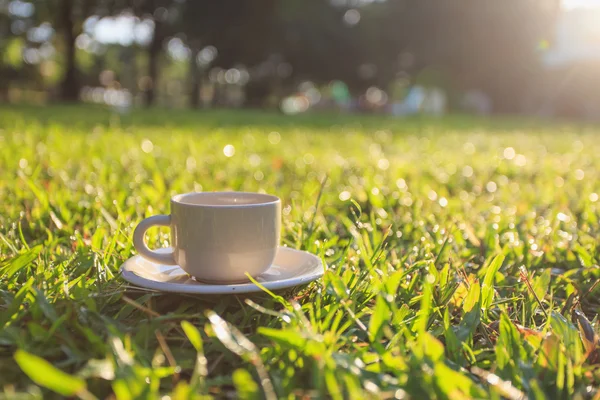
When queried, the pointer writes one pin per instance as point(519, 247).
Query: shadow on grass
point(167, 303)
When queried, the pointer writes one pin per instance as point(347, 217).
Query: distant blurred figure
point(341, 95)
point(434, 102)
point(420, 100)
point(477, 102)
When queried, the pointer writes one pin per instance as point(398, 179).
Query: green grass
point(462, 257)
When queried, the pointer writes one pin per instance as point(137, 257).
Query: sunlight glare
point(571, 4)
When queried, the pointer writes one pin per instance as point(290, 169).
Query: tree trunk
point(153, 58)
point(194, 82)
point(257, 93)
point(69, 86)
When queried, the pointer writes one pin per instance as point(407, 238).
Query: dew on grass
point(274, 137)
point(563, 217)
point(527, 209)
point(229, 150)
point(190, 163)
point(565, 235)
point(511, 237)
point(383, 164)
point(254, 160)
point(340, 161)
point(345, 195)
point(469, 148)
point(467, 171)
point(520, 160)
point(382, 213)
point(371, 387)
point(509, 153)
point(147, 146)
point(375, 149)
point(443, 177)
point(308, 158)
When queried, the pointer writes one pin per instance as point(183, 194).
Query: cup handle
point(140, 245)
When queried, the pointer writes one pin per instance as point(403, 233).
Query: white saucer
point(290, 268)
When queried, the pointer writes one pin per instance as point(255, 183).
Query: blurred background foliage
point(358, 55)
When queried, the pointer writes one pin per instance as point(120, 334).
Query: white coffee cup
point(218, 237)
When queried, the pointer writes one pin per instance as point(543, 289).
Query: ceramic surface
point(218, 237)
point(290, 268)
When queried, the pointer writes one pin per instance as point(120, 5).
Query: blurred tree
point(166, 15)
point(10, 52)
point(67, 17)
point(488, 45)
point(239, 30)
point(323, 42)
point(69, 24)
point(21, 52)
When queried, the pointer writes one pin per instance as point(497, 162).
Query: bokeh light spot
point(274, 137)
point(509, 153)
point(147, 146)
point(345, 195)
point(229, 150)
point(491, 187)
point(352, 17)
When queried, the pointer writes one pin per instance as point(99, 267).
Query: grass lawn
point(462, 257)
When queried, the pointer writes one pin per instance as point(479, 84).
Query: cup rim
point(267, 199)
